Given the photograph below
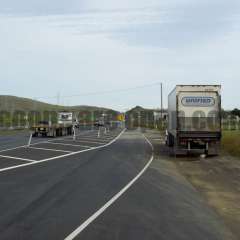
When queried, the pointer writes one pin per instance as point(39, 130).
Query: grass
point(231, 142)
point(13, 132)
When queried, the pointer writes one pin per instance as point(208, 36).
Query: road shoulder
point(161, 205)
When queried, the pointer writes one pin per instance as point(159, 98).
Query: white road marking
point(88, 138)
point(92, 141)
point(45, 141)
point(83, 141)
point(18, 158)
point(76, 232)
point(62, 156)
point(9, 149)
point(50, 149)
point(66, 144)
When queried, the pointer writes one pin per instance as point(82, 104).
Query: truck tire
point(54, 133)
point(35, 134)
point(170, 140)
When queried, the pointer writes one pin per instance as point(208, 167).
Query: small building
point(157, 115)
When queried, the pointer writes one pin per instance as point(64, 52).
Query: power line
point(104, 92)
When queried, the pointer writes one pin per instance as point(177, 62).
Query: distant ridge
point(13, 103)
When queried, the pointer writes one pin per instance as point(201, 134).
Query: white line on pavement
point(76, 232)
point(18, 158)
point(9, 149)
point(83, 141)
point(39, 142)
point(88, 138)
point(62, 156)
point(66, 144)
point(50, 149)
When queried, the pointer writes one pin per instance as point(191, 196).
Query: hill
point(17, 112)
point(13, 103)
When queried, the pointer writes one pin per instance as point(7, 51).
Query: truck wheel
point(170, 140)
point(35, 134)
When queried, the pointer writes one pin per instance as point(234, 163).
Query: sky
point(62, 51)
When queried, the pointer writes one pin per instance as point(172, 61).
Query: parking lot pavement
point(42, 149)
point(80, 142)
point(60, 146)
point(30, 153)
point(7, 162)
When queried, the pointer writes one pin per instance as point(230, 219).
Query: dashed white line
point(76, 232)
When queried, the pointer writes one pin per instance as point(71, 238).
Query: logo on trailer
point(198, 101)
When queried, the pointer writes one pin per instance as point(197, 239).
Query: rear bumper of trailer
point(202, 142)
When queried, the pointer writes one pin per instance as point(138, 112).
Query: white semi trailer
point(194, 119)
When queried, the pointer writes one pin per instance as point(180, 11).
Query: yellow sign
point(120, 117)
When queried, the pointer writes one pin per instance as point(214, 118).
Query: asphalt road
point(52, 193)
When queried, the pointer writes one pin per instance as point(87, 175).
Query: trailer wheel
point(170, 140)
point(54, 133)
point(35, 134)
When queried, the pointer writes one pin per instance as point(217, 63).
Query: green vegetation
point(231, 142)
point(13, 132)
point(142, 117)
point(12, 103)
point(21, 112)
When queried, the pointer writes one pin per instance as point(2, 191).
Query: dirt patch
point(216, 178)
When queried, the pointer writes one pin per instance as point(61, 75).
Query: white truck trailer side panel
point(172, 110)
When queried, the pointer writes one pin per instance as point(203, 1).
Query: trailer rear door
point(199, 111)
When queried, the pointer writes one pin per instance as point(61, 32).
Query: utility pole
point(161, 90)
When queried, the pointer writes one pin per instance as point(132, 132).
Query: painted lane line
point(88, 138)
point(62, 156)
point(14, 148)
point(148, 142)
point(76, 232)
point(66, 144)
point(92, 141)
point(23, 146)
point(96, 138)
point(84, 141)
point(50, 149)
point(17, 158)
point(36, 143)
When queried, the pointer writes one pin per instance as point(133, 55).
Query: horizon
point(98, 106)
point(62, 48)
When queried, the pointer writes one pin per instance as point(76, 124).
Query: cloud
point(41, 7)
point(111, 45)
